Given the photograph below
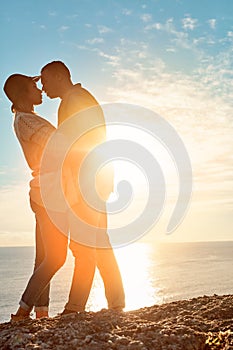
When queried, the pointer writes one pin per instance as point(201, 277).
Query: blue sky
point(174, 57)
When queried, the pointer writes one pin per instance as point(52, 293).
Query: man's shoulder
point(78, 92)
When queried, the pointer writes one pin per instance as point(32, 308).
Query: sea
point(152, 273)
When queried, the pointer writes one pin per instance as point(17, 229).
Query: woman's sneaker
point(17, 318)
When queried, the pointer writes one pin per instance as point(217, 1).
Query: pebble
point(195, 324)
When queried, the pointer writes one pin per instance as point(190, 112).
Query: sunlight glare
point(135, 267)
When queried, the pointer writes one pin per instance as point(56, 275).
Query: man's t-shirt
point(81, 117)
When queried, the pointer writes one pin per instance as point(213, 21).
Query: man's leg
point(84, 271)
point(109, 270)
point(85, 259)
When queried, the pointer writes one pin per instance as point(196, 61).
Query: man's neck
point(65, 89)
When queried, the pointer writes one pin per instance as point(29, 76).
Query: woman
point(33, 133)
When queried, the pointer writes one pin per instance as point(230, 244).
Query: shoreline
point(200, 323)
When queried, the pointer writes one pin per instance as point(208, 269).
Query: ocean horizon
point(153, 273)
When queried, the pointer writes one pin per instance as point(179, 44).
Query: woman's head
point(23, 92)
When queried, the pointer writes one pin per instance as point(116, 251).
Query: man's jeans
point(54, 243)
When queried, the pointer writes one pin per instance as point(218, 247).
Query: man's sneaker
point(117, 308)
point(67, 312)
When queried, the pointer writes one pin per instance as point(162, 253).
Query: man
point(56, 82)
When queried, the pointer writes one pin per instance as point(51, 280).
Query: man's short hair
point(57, 67)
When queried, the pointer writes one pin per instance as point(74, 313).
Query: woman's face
point(34, 94)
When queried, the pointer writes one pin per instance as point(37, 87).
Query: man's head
point(55, 79)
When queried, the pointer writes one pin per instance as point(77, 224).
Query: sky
point(173, 57)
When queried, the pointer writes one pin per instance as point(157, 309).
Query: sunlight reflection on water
point(135, 266)
point(152, 273)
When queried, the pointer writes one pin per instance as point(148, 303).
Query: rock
point(203, 323)
point(88, 339)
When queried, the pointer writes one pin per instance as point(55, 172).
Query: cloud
point(156, 26)
point(112, 60)
point(95, 41)
point(104, 29)
point(180, 38)
point(126, 12)
point(213, 180)
point(171, 49)
point(52, 13)
point(189, 23)
point(212, 23)
point(146, 17)
point(197, 104)
point(63, 28)
point(16, 216)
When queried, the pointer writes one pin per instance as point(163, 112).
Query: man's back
point(74, 101)
point(80, 114)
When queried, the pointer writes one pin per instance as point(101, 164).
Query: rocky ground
point(199, 323)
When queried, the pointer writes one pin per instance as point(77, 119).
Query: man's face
point(50, 84)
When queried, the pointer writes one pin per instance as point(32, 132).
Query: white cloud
point(152, 26)
point(95, 41)
point(202, 121)
point(111, 59)
point(16, 217)
point(53, 13)
point(104, 29)
point(63, 28)
point(160, 26)
point(212, 23)
point(146, 17)
point(126, 12)
point(189, 23)
point(198, 41)
point(192, 101)
point(181, 37)
point(169, 25)
point(171, 49)
point(230, 34)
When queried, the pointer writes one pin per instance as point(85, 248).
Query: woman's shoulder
point(32, 121)
point(32, 118)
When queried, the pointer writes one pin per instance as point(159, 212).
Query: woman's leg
point(42, 303)
point(41, 306)
point(55, 247)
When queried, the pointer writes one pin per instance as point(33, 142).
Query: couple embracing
point(56, 227)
